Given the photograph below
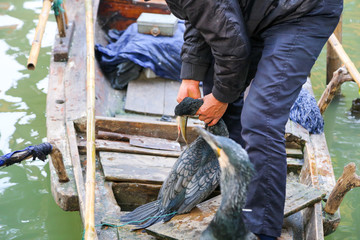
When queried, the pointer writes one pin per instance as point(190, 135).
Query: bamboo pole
point(354, 73)
point(333, 61)
point(90, 130)
point(39, 32)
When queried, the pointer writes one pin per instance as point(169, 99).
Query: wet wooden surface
point(125, 147)
point(123, 167)
point(132, 195)
point(159, 92)
point(190, 226)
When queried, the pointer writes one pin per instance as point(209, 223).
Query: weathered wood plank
point(294, 164)
point(313, 224)
point(187, 226)
point(62, 45)
point(65, 194)
point(142, 126)
point(105, 204)
point(317, 168)
point(125, 167)
point(78, 172)
point(171, 90)
point(149, 101)
point(124, 147)
point(294, 153)
point(155, 143)
point(190, 226)
point(295, 132)
point(132, 195)
point(318, 172)
point(299, 196)
point(75, 84)
point(141, 141)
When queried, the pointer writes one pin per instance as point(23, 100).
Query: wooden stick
point(113, 136)
point(345, 183)
point(65, 16)
point(90, 130)
point(339, 77)
point(57, 160)
point(60, 24)
point(39, 32)
point(354, 73)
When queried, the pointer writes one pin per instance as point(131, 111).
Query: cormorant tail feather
point(141, 213)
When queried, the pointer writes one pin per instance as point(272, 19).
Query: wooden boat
point(129, 169)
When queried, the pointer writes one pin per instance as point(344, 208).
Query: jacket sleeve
point(195, 55)
point(221, 25)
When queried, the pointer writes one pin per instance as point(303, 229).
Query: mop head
point(306, 113)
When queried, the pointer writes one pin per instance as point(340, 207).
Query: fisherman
point(273, 45)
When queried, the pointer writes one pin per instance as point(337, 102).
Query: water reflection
point(28, 210)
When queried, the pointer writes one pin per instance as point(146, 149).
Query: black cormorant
point(193, 177)
point(236, 173)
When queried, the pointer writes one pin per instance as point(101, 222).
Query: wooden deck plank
point(132, 195)
point(187, 226)
point(171, 90)
point(294, 164)
point(146, 96)
point(142, 126)
point(318, 172)
point(75, 85)
point(65, 194)
point(125, 167)
point(78, 171)
point(125, 147)
point(299, 196)
point(294, 153)
point(190, 226)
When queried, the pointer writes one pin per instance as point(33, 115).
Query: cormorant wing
point(202, 184)
point(172, 192)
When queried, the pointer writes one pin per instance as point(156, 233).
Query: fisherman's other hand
point(212, 110)
point(188, 88)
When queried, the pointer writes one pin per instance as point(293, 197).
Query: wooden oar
point(39, 32)
point(354, 73)
point(90, 130)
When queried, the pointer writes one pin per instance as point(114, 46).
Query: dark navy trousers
point(281, 59)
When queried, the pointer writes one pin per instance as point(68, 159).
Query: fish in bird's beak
point(182, 127)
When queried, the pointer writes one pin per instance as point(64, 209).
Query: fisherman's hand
point(212, 110)
point(188, 88)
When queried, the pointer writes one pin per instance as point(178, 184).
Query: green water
point(27, 209)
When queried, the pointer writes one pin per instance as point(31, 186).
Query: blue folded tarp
point(161, 54)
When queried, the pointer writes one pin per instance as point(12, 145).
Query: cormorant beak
point(182, 127)
point(210, 139)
